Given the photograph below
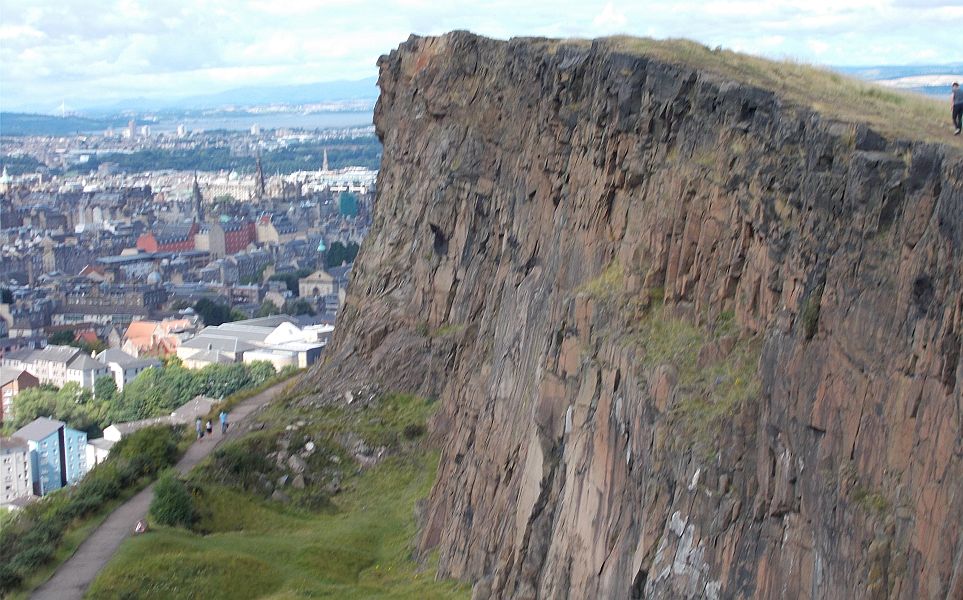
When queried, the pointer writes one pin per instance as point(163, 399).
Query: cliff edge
point(691, 338)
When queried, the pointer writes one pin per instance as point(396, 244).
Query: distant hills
point(309, 93)
point(31, 124)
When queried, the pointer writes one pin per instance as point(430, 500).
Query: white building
point(16, 480)
point(119, 431)
point(58, 365)
point(125, 367)
point(97, 451)
point(274, 339)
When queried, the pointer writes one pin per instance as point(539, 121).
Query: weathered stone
point(540, 194)
point(297, 464)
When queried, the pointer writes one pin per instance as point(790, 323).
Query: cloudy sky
point(85, 51)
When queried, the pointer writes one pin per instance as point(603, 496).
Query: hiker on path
point(957, 101)
point(199, 426)
point(223, 422)
point(210, 428)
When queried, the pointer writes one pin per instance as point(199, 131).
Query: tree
point(62, 338)
point(299, 307)
point(172, 504)
point(105, 388)
point(213, 313)
point(72, 404)
point(339, 254)
point(268, 309)
point(291, 278)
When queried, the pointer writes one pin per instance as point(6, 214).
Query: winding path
point(74, 576)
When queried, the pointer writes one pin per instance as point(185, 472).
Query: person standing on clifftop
point(957, 108)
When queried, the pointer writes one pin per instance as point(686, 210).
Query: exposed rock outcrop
point(690, 340)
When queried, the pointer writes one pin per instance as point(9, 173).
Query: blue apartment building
point(58, 454)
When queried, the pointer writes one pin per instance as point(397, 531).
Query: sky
point(82, 51)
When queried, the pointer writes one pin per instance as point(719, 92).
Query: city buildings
point(58, 365)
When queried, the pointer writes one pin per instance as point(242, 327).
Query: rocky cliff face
point(689, 340)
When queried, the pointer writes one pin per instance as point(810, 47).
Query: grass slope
point(895, 113)
point(358, 546)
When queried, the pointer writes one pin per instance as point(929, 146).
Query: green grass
point(708, 394)
point(242, 395)
point(608, 286)
point(71, 540)
point(263, 549)
point(891, 112)
point(360, 545)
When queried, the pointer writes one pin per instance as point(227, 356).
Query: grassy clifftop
point(891, 112)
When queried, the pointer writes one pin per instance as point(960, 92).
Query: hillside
point(693, 320)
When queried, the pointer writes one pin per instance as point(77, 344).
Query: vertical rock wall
point(689, 341)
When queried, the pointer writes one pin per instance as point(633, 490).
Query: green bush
point(155, 446)
point(172, 504)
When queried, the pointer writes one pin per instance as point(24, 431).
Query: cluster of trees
point(69, 338)
point(290, 278)
point(215, 313)
point(339, 254)
point(291, 307)
point(31, 539)
point(155, 392)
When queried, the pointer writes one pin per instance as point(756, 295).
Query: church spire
point(259, 188)
point(197, 201)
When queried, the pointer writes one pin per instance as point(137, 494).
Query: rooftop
point(8, 374)
point(38, 429)
point(8, 444)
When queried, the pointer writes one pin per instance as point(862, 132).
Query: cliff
point(691, 338)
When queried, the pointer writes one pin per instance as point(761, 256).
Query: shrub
point(172, 504)
point(154, 447)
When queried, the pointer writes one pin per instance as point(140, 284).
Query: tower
point(259, 189)
point(324, 164)
point(197, 201)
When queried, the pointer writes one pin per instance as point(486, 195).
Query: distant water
point(321, 120)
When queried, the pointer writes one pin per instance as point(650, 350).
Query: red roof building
point(170, 238)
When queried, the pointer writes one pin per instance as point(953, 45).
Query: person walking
point(210, 428)
point(957, 101)
point(223, 417)
point(199, 426)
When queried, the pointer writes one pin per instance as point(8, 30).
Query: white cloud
point(83, 50)
point(818, 47)
point(610, 20)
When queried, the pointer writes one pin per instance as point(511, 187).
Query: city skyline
point(53, 53)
